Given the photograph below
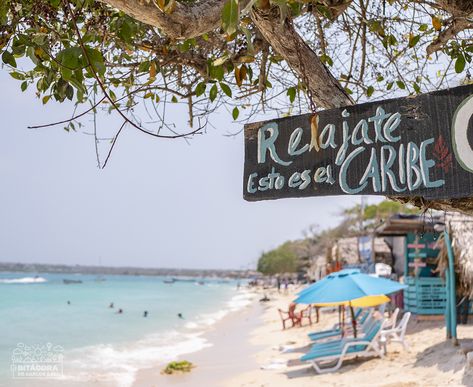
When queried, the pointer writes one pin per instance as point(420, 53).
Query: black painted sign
point(414, 146)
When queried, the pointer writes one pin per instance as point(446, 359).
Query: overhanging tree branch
point(326, 91)
point(183, 22)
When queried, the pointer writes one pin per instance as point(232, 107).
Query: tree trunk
point(326, 91)
point(184, 20)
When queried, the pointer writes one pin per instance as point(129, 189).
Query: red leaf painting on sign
point(442, 154)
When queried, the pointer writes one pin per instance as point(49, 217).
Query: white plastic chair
point(396, 334)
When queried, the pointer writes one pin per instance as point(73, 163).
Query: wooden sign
point(414, 146)
point(416, 246)
point(417, 264)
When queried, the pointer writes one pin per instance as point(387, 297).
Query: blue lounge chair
point(363, 334)
point(360, 316)
point(323, 355)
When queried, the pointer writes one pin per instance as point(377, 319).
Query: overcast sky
point(159, 203)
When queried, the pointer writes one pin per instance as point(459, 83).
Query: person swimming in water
point(145, 313)
point(68, 302)
point(111, 305)
point(180, 315)
point(120, 311)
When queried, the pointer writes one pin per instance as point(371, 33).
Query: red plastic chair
point(290, 315)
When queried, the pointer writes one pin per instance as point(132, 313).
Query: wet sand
point(231, 353)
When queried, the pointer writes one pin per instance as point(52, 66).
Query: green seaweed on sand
point(178, 366)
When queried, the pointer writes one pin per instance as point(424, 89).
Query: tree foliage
point(127, 57)
point(71, 48)
point(278, 261)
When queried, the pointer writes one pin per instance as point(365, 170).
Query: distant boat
point(169, 281)
point(69, 281)
point(200, 283)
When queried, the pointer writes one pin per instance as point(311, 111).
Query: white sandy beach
point(251, 339)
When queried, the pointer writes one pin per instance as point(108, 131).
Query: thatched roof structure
point(460, 228)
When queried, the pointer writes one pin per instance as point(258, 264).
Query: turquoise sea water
point(98, 343)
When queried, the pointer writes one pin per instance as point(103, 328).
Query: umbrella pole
point(353, 319)
point(340, 318)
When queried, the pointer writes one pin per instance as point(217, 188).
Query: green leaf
point(326, 59)
point(217, 72)
point(174, 99)
point(235, 113)
point(389, 86)
point(226, 89)
point(423, 27)
point(126, 30)
point(416, 87)
point(230, 16)
point(70, 57)
point(460, 63)
point(144, 67)
point(413, 40)
point(370, 91)
point(9, 59)
point(200, 89)
point(69, 92)
point(401, 85)
point(291, 93)
point(17, 76)
point(213, 93)
point(24, 86)
point(96, 60)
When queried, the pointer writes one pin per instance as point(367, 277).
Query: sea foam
point(23, 280)
point(122, 362)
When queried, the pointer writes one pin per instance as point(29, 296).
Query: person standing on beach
point(278, 280)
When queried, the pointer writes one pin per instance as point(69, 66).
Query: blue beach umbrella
point(346, 285)
point(317, 284)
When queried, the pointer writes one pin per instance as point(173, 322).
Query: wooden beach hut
point(413, 241)
point(420, 258)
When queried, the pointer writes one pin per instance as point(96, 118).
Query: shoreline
point(230, 352)
point(247, 347)
point(261, 354)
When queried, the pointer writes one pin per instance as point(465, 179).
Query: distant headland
point(126, 270)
